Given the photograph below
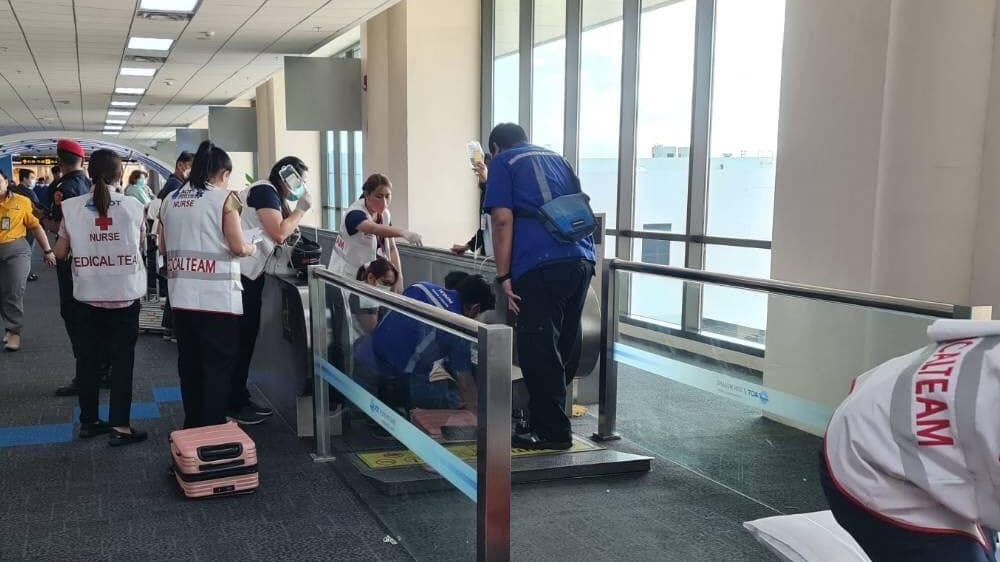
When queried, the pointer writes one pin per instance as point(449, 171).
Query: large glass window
point(666, 74)
point(736, 313)
point(329, 188)
point(343, 171)
point(505, 64)
point(600, 103)
point(359, 172)
point(549, 74)
point(747, 82)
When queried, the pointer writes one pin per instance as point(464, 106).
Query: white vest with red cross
point(202, 274)
point(917, 443)
point(351, 251)
point(107, 256)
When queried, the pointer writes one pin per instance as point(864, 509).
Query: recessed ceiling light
point(149, 43)
point(169, 5)
point(116, 112)
point(137, 71)
point(110, 132)
point(113, 127)
point(123, 103)
point(136, 91)
point(115, 121)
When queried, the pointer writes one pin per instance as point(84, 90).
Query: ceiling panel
point(60, 60)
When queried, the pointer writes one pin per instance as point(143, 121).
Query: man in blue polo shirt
point(544, 279)
point(403, 350)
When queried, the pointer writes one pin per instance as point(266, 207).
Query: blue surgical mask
point(141, 182)
point(294, 194)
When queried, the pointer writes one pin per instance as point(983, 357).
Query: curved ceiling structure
point(45, 145)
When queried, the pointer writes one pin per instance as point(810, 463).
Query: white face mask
point(31, 183)
point(385, 288)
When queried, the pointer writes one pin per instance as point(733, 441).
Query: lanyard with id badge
point(4, 223)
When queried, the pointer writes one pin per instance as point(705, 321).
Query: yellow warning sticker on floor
point(379, 460)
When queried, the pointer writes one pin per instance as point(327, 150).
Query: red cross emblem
point(103, 222)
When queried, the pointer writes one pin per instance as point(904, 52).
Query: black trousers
point(108, 337)
point(253, 291)
point(548, 330)
point(884, 542)
point(72, 313)
point(207, 347)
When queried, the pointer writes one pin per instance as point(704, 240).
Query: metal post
point(488, 17)
point(526, 56)
point(496, 350)
point(631, 17)
point(607, 413)
point(571, 120)
point(338, 187)
point(701, 128)
point(321, 396)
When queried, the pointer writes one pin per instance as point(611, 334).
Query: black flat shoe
point(534, 442)
point(70, 389)
point(117, 438)
point(88, 430)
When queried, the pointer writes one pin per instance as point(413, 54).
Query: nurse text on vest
point(201, 271)
point(107, 260)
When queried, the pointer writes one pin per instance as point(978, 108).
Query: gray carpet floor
point(81, 500)
point(716, 465)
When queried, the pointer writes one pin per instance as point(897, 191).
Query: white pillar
point(930, 157)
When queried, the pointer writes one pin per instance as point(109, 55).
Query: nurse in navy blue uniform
point(403, 350)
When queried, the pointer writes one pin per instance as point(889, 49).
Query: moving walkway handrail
point(432, 314)
point(494, 359)
point(858, 298)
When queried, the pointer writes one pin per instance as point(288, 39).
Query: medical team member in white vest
point(267, 213)
point(102, 235)
point(201, 240)
point(367, 232)
point(911, 460)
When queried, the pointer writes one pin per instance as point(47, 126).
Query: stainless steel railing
point(495, 354)
point(608, 372)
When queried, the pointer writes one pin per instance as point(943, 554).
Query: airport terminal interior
point(788, 193)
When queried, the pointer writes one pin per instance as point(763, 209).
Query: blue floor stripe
point(36, 435)
point(140, 411)
point(167, 394)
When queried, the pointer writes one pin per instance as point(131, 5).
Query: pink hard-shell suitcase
point(216, 460)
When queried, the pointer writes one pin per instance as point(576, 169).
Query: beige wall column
point(274, 142)
point(421, 58)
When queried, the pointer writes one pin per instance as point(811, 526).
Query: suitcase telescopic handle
point(224, 451)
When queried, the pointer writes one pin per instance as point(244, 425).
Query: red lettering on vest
point(961, 344)
point(927, 387)
point(939, 359)
point(103, 222)
point(931, 407)
point(929, 436)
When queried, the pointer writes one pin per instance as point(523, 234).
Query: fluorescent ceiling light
point(123, 103)
point(123, 113)
point(113, 127)
point(115, 121)
point(136, 91)
point(110, 132)
point(168, 5)
point(149, 43)
point(137, 71)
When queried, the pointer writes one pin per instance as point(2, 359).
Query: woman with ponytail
point(201, 241)
point(102, 234)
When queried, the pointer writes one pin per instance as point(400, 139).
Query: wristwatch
point(502, 278)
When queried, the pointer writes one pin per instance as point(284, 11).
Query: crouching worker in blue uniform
point(421, 366)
